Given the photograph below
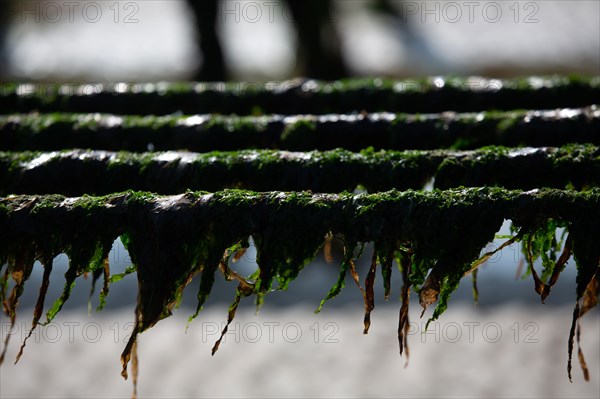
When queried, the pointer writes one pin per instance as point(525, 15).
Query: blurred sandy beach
point(499, 352)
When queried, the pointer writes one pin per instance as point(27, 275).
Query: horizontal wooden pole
point(435, 94)
point(171, 239)
point(175, 234)
point(202, 133)
point(77, 172)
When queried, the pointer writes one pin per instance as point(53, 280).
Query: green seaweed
point(436, 238)
point(475, 287)
point(587, 256)
point(403, 260)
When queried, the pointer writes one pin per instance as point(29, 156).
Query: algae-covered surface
point(301, 96)
point(78, 172)
point(354, 131)
point(434, 237)
point(187, 175)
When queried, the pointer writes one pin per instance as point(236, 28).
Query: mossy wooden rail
point(443, 231)
point(77, 172)
point(437, 94)
point(354, 132)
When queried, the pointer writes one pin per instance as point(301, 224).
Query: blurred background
point(510, 345)
point(258, 40)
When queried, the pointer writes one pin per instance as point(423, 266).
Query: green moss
point(505, 124)
point(13, 162)
point(46, 202)
point(301, 134)
point(90, 203)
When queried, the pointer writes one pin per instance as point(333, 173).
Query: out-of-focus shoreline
point(502, 351)
point(155, 40)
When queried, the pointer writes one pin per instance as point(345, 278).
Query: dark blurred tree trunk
point(4, 21)
point(319, 50)
point(319, 45)
point(206, 14)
